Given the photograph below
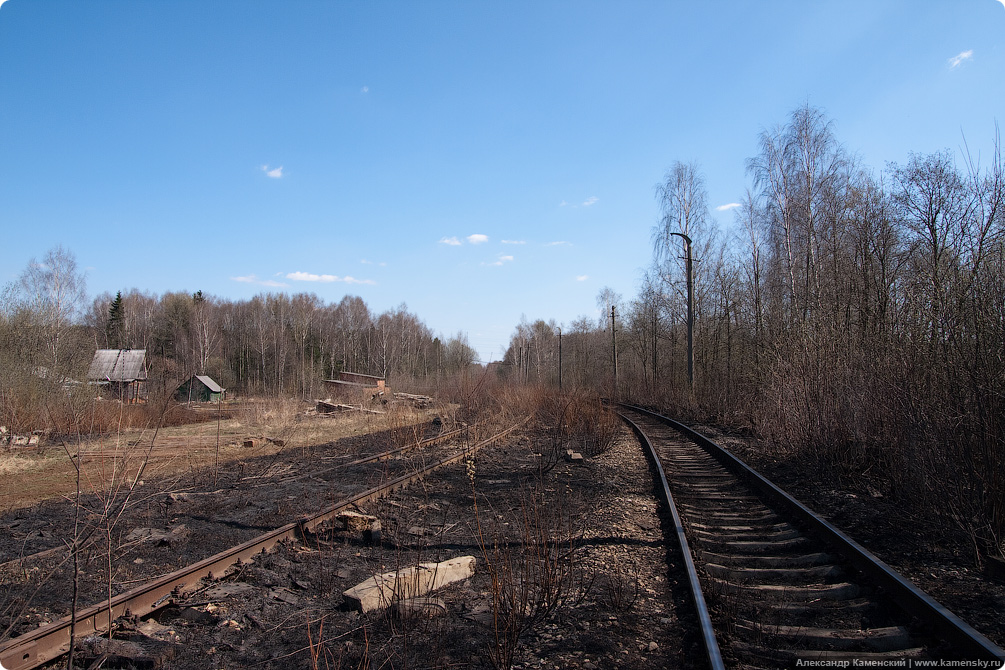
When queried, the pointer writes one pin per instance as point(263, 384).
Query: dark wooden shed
point(200, 388)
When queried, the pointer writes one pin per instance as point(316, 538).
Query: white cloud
point(276, 173)
point(366, 262)
point(307, 276)
point(365, 89)
point(502, 259)
point(958, 59)
point(592, 200)
point(514, 241)
point(560, 243)
point(325, 279)
point(252, 279)
point(563, 204)
point(478, 238)
point(726, 208)
point(582, 277)
point(452, 241)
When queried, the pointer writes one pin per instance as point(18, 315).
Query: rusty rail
point(53, 640)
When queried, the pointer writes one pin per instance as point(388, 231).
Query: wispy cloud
point(726, 208)
point(452, 241)
point(252, 279)
point(514, 241)
point(478, 238)
point(502, 260)
point(589, 202)
point(958, 59)
point(364, 261)
point(365, 89)
point(276, 173)
point(559, 243)
point(582, 277)
point(325, 279)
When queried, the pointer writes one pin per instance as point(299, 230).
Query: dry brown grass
point(47, 472)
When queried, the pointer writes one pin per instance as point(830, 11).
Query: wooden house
point(120, 373)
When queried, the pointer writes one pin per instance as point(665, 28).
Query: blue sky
point(476, 161)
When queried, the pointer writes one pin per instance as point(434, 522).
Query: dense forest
point(856, 319)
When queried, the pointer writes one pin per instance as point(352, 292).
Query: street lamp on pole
point(690, 309)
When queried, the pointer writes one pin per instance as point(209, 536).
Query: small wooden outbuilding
point(200, 388)
point(121, 372)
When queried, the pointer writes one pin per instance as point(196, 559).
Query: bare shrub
point(532, 575)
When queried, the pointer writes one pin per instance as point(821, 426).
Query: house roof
point(209, 383)
point(118, 365)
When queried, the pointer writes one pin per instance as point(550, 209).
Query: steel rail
point(19, 562)
point(704, 618)
point(53, 640)
point(912, 599)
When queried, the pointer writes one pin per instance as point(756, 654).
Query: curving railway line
point(774, 585)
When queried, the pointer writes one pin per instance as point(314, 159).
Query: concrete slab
point(380, 591)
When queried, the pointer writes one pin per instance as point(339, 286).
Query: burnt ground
point(571, 566)
point(939, 560)
point(571, 572)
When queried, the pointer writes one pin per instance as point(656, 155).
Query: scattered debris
point(283, 594)
point(325, 407)
point(418, 401)
point(169, 536)
point(366, 524)
point(226, 590)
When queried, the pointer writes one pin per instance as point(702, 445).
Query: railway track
point(48, 642)
point(774, 585)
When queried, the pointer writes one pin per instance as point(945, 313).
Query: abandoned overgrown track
point(270, 475)
point(39, 646)
point(781, 583)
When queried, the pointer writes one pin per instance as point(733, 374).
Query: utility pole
point(560, 358)
point(690, 309)
point(614, 341)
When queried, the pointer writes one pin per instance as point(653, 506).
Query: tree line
point(854, 318)
point(271, 344)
